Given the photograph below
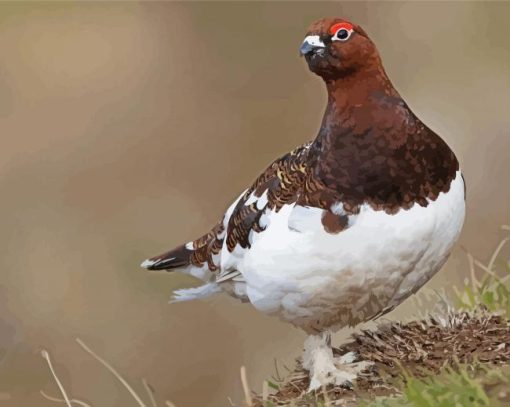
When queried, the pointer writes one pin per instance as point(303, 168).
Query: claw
point(325, 369)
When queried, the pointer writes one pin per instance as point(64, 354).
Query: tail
point(196, 293)
point(176, 258)
point(180, 257)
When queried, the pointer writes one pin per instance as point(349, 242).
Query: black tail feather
point(173, 259)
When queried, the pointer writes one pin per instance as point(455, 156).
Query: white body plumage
point(318, 280)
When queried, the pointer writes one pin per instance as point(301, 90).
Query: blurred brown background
point(127, 128)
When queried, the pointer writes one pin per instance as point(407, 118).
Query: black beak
point(306, 48)
point(312, 43)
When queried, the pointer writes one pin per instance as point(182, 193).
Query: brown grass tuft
point(420, 347)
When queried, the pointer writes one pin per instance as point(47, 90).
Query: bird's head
point(335, 48)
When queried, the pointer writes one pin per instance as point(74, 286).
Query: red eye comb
point(335, 27)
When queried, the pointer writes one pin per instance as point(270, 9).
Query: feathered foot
point(324, 368)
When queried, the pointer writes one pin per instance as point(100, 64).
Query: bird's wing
point(283, 182)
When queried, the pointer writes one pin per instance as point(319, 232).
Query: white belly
point(318, 280)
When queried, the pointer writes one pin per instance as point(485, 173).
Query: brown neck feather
point(353, 94)
point(371, 148)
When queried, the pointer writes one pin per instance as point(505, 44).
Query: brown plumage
point(343, 229)
point(370, 149)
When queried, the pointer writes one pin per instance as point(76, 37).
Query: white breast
point(319, 280)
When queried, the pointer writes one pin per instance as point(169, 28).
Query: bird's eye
point(341, 31)
point(342, 34)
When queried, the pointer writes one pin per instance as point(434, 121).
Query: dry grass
point(492, 290)
point(71, 402)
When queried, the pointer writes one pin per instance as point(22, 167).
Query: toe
point(348, 358)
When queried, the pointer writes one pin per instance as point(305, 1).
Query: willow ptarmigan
point(344, 228)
